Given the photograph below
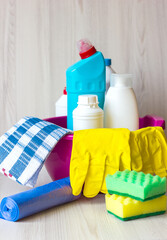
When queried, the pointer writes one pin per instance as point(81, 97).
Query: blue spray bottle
point(85, 77)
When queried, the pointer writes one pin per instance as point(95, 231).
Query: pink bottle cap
point(86, 49)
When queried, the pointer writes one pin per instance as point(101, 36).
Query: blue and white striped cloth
point(24, 148)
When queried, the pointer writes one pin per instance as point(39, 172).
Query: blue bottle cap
point(107, 61)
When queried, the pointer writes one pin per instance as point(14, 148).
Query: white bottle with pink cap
point(61, 105)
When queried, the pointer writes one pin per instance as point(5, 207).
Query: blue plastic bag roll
point(37, 199)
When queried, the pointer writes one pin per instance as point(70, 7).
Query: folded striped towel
point(25, 147)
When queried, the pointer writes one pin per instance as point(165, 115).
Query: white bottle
point(120, 108)
point(61, 105)
point(109, 72)
point(88, 114)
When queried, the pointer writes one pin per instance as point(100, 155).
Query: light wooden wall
point(38, 42)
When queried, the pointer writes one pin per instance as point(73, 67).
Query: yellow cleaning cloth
point(99, 152)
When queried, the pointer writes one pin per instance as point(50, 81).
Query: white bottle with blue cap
point(109, 71)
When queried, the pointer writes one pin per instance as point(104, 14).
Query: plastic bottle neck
point(121, 80)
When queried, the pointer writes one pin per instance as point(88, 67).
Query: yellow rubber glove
point(99, 152)
point(96, 153)
point(149, 151)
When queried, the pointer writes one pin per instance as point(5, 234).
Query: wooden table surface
point(82, 219)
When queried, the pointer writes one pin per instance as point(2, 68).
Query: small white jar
point(88, 114)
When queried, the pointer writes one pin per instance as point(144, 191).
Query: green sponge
point(137, 185)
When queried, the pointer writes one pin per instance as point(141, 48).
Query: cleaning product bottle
point(61, 105)
point(85, 77)
point(109, 71)
point(120, 108)
point(88, 114)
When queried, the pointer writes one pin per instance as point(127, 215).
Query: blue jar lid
point(107, 61)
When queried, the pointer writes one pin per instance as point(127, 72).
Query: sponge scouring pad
point(137, 185)
point(126, 208)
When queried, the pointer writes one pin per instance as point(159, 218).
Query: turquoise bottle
point(87, 76)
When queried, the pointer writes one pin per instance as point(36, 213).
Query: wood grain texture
point(37, 44)
point(82, 219)
point(7, 63)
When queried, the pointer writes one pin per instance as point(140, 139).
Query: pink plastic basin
point(58, 162)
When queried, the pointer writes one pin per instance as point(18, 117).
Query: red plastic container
point(58, 162)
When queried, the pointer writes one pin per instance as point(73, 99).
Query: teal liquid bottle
point(87, 76)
